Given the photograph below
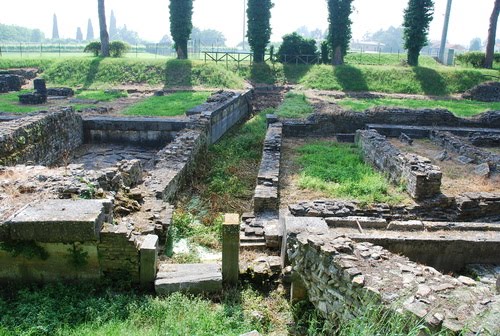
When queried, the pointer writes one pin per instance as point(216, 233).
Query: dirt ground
point(457, 177)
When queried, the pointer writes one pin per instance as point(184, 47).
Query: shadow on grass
point(263, 73)
point(431, 82)
point(295, 72)
point(92, 73)
point(178, 73)
point(350, 78)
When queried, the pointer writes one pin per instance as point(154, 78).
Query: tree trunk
point(104, 30)
point(413, 57)
point(490, 46)
point(338, 58)
point(182, 50)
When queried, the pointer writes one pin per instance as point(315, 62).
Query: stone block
point(148, 259)
point(191, 278)
point(59, 221)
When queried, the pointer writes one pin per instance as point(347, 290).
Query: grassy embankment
point(430, 78)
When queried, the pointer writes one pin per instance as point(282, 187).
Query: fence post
point(230, 249)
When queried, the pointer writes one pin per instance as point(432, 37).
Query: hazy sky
point(469, 19)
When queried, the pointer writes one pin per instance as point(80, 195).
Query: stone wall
point(42, 139)
point(465, 207)
point(266, 197)
point(144, 131)
point(473, 154)
point(340, 121)
point(223, 109)
point(422, 179)
point(343, 277)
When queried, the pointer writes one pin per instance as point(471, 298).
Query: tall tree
point(492, 31)
point(181, 13)
point(79, 34)
point(475, 44)
point(417, 17)
point(112, 26)
point(103, 29)
point(259, 27)
point(55, 28)
point(339, 33)
point(90, 31)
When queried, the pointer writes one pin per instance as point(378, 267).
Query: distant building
point(366, 46)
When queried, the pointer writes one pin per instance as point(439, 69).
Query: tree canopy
point(294, 45)
point(259, 27)
point(11, 33)
point(181, 13)
point(339, 32)
point(55, 28)
point(417, 17)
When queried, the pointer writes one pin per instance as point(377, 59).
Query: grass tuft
point(175, 104)
point(294, 106)
point(9, 102)
point(339, 170)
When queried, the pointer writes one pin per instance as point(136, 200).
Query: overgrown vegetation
point(9, 102)
point(339, 171)
point(101, 95)
point(181, 13)
point(174, 104)
point(461, 108)
point(63, 309)
point(339, 29)
point(259, 27)
point(294, 106)
point(417, 17)
point(475, 59)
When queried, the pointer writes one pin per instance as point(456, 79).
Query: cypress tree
point(90, 31)
point(339, 31)
point(79, 34)
point(259, 27)
point(112, 26)
point(55, 28)
point(181, 13)
point(417, 17)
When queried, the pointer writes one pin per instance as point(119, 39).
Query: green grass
point(393, 79)
point(387, 59)
point(9, 102)
point(294, 106)
point(339, 171)
point(171, 105)
point(461, 108)
point(64, 309)
point(100, 95)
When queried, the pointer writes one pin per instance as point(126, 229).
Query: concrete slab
point(60, 221)
point(191, 278)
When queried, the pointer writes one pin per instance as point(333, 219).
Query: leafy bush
point(295, 45)
point(325, 53)
point(93, 47)
point(118, 48)
point(475, 58)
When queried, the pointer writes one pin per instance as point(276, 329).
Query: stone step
point(253, 246)
point(244, 237)
point(190, 278)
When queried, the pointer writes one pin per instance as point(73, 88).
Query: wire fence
point(198, 51)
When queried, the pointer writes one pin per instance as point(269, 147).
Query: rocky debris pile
point(467, 152)
point(485, 140)
point(343, 277)
point(485, 92)
point(10, 83)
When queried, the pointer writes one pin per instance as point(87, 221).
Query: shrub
point(93, 47)
point(475, 58)
point(295, 45)
point(118, 48)
point(325, 53)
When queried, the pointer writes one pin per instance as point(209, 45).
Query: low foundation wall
point(343, 277)
point(43, 139)
point(144, 131)
point(266, 197)
point(454, 144)
point(422, 179)
point(340, 121)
